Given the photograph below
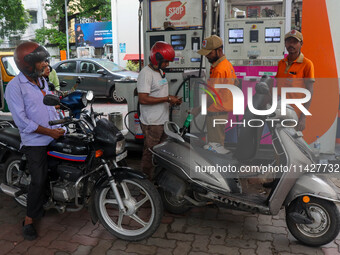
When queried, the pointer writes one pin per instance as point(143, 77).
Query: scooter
point(189, 175)
point(85, 171)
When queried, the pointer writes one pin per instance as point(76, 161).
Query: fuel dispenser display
point(186, 43)
point(255, 40)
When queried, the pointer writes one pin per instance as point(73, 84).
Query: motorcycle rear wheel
point(144, 209)
point(172, 204)
point(15, 177)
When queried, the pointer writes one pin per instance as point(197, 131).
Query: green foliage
point(132, 66)
point(52, 35)
point(13, 17)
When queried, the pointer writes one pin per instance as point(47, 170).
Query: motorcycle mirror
point(51, 86)
point(63, 84)
point(51, 100)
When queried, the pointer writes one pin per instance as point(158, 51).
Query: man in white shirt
point(154, 99)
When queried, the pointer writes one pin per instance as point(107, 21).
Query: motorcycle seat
point(10, 137)
point(8, 118)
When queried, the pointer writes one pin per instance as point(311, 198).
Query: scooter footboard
point(316, 186)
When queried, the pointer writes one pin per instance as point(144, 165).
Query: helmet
point(27, 54)
point(161, 51)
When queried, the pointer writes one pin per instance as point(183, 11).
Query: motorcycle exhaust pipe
point(10, 190)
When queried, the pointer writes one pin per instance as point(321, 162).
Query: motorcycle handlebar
point(66, 120)
point(57, 122)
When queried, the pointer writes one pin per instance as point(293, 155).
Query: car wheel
point(115, 97)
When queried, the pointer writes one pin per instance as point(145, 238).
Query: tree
point(52, 35)
point(99, 9)
point(13, 17)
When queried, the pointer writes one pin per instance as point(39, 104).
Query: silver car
point(99, 75)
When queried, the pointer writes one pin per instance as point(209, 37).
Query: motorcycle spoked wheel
point(144, 209)
point(325, 226)
point(15, 177)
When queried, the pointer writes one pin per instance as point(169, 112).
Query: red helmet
point(27, 54)
point(161, 51)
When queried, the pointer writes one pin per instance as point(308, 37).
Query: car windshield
point(10, 66)
point(110, 65)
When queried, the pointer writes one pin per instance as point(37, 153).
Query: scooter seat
point(10, 137)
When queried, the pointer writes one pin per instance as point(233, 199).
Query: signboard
point(122, 47)
point(182, 14)
point(93, 34)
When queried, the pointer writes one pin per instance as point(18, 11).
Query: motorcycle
point(189, 175)
point(85, 171)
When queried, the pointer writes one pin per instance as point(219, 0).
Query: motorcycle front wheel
point(144, 209)
point(325, 226)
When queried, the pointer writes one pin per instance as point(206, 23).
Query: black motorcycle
point(85, 171)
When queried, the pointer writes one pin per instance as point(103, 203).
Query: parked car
point(99, 75)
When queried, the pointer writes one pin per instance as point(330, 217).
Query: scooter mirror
point(262, 88)
point(51, 100)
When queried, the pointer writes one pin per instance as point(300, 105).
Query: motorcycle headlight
point(89, 95)
point(120, 146)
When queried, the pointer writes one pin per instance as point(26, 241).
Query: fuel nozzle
point(186, 124)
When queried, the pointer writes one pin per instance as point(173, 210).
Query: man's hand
point(56, 133)
point(174, 100)
point(301, 123)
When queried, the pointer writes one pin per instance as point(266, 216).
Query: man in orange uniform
point(296, 71)
point(221, 72)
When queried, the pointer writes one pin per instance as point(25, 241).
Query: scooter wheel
point(172, 204)
point(325, 226)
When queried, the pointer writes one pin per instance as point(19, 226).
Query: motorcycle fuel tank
point(68, 149)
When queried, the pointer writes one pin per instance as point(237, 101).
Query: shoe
point(29, 232)
point(216, 147)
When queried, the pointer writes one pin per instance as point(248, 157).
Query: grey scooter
point(309, 199)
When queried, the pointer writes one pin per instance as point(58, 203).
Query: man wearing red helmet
point(154, 99)
point(24, 95)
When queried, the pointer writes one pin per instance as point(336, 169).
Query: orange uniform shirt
point(294, 75)
point(222, 72)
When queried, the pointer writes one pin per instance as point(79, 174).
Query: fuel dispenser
point(189, 22)
point(254, 43)
point(253, 34)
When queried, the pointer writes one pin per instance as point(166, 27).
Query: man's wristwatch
point(169, 99)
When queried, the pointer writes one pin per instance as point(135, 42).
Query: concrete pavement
point(201, 231)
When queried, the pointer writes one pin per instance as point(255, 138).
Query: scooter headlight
point(120, 146)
